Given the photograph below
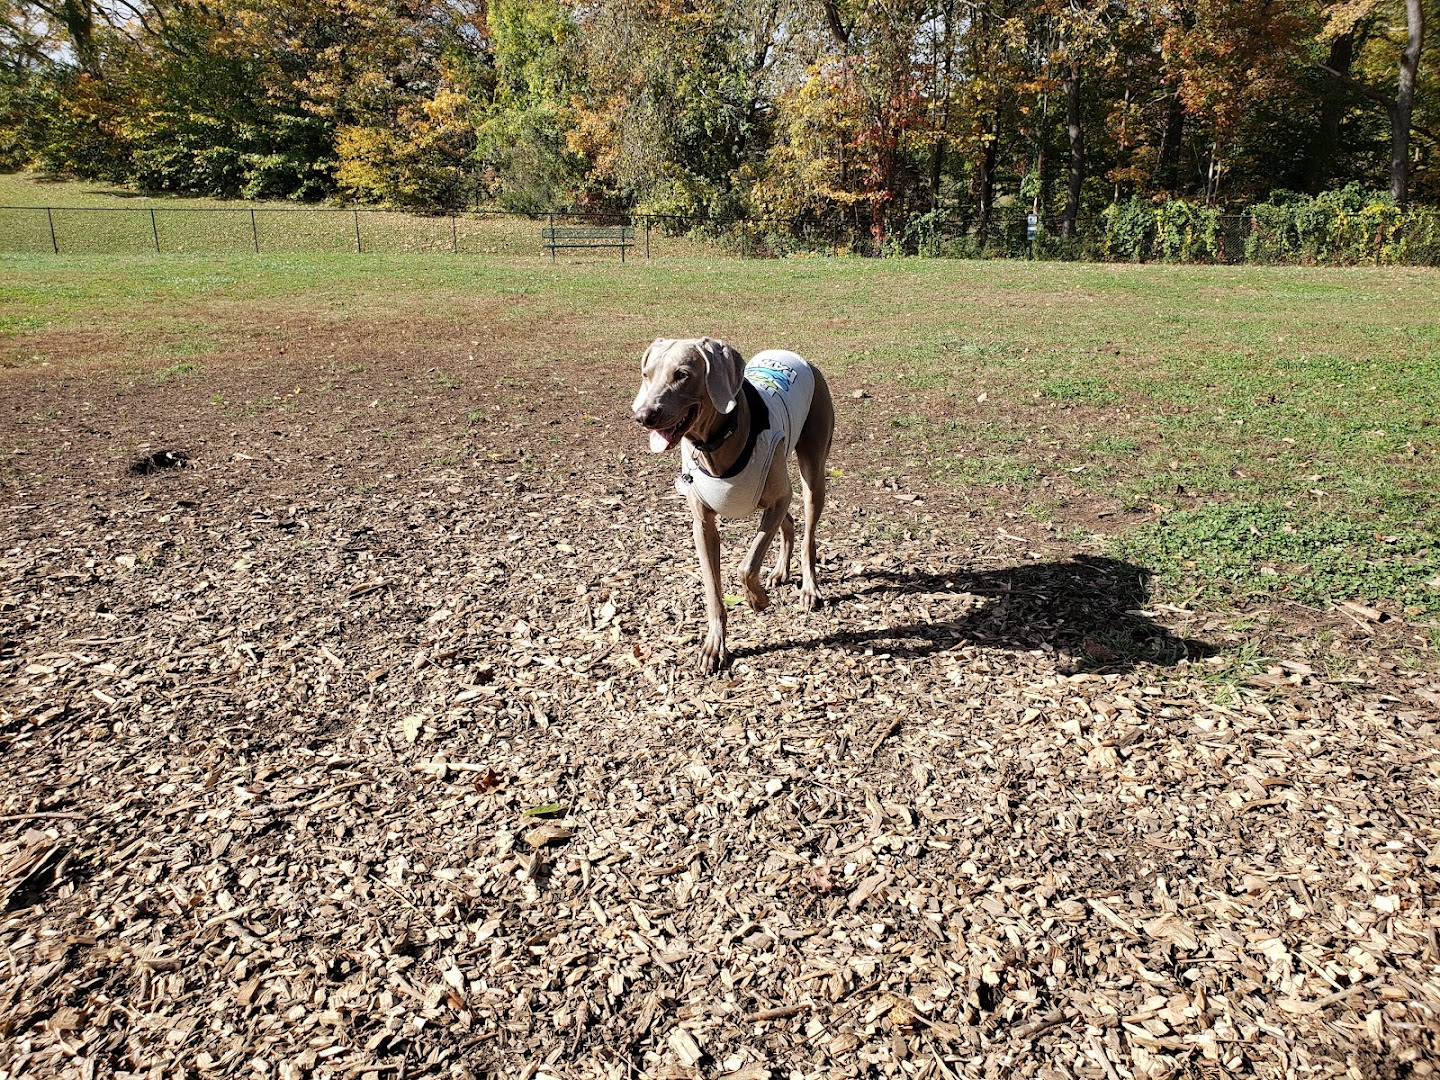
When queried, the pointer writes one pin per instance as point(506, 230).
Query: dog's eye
point(681, 375)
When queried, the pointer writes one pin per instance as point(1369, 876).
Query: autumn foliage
point(869, 115)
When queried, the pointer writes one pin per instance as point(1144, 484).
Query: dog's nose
point(646, 417)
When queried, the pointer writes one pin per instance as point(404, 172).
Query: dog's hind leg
point(781, 572)
point(812, 480)
point(812, 449)
point(772, 519)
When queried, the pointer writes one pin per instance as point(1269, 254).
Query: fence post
point(552, 236)
point(51, 219)
point(154, 231)
point(254, 232)
point(356, 214)
point(454, 237)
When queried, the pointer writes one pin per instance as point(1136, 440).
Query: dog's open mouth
point(662, 439)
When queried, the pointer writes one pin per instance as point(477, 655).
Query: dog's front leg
point(713, 656)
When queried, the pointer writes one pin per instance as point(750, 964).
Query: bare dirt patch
point(367, 740)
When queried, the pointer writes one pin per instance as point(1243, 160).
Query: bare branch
point(1363, 89)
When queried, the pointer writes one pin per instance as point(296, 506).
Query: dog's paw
point(810, 598)
point(755, 594)
point(713, 656)
point(777, 577)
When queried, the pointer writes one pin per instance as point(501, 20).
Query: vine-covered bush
point(1173, 231)
point(1348, 226)
point(1185, 232)
point(1129, 230)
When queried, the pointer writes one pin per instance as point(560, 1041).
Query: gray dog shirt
point(785, 384)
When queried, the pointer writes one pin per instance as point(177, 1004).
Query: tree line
point(871, 112)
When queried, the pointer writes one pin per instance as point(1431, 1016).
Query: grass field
point(1244, 432)
point(39, 215)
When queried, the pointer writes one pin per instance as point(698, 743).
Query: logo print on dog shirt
point(776, 379)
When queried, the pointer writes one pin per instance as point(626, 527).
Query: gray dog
point(737, 424)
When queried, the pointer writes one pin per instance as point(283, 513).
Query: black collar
point(759, 421)
point(719, 435)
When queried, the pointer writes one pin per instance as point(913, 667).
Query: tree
point(1083, 38)
point(1404, 111)
point(856, 135)
point(856, 114)
point(676, 114)
point(985, 101)
point(1226, 58)
point(1350, 18)
point(521, 128)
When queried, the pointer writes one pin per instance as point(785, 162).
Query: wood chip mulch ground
point(334, 750)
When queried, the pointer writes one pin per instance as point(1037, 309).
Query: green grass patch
point(1114, 446)
point(39, 214)
point(177, 370)
point(1080, 391)
point(14, 324)
point(1243, 552)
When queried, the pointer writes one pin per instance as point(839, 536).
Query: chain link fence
point(271, 230)
point(331, 230)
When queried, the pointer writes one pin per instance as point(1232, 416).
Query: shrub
point(168, 158)
point(1185, 232)
point(1347, 226)
point(1174, 230)
point(1129, 230)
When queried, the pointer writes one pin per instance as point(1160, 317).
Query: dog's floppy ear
point(724, 368)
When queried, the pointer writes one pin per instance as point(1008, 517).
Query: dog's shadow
point(1088, 611)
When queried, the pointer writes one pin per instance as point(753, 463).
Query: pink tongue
point(658, 443)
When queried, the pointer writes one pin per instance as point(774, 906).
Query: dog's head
point(684, 384)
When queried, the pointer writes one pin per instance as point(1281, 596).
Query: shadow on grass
point(62, 179)
point(1089, 611)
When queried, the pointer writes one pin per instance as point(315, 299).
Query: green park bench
point(565, 237)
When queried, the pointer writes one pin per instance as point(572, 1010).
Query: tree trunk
point(937, 155)
point(987, 176)
point(77, 18)
point(1405, 103)
point(1321, 167)
point(1167, 174)
point(937, 162)
point(1077, 151)
point(839, 32)
point(1124, 140)
point(1041, 203)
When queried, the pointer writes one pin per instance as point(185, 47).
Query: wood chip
point(687, 1050)
point(547, 834)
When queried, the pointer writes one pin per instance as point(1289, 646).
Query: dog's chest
point(785, 384)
